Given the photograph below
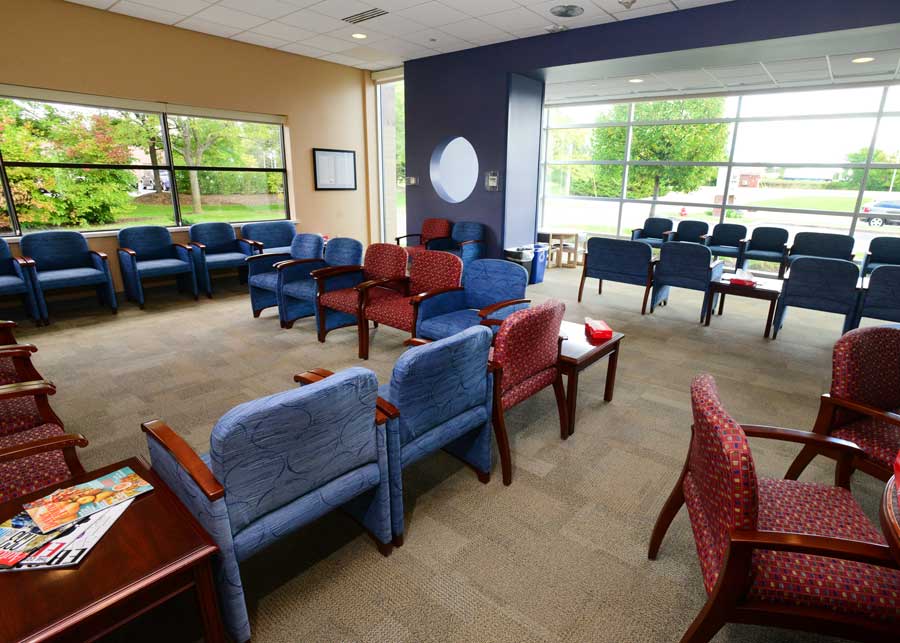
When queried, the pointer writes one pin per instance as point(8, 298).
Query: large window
point(825, 160)
point(88, 168)
point(392, 159)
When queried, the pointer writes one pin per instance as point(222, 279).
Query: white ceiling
point(409, 28)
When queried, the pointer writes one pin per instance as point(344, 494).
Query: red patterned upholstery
point(866, 367)
point(25, 475)
point(433, 269)
point(527, 347)
point(391, 309)
point(8, 374)
point(384, 261)
point(431, 229)
point(18, 414)
point(879, 439)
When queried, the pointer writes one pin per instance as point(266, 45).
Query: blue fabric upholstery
point(443, 392)
point(766, 244)
point(274, 235)
point(619, 260)
point(462, 232)
point(653, 232)
point(223, 250)
point(685, 265)
point(883, 251)
point(820, 283)
point(725, 240)
point(689, 231)
point(819, 244)
point(155, 256)
point(881, 300)
point(17, 278)
point(285, 460)
point(264, 279)
point(485, 282)
point(63, 260)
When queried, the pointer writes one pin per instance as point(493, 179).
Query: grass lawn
point(152, 214)
point(812, 202)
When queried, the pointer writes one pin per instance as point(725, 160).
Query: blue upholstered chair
point(276, 464)
point(273, 237)
point(881, 299)
point(17, 277)
point(62, 259)
point(883, 251)
point(466, 241)
point(148, 251)
point(263, 277)
point(297, 287)
point(765, 244)
point(216, 247)
point(820, 283)
point(653, 232)
point(817, 244)
point(442, 391)
point(685, 265)
point(689, 231)
point(619, 260)
point(491, 289)
point(726, 239)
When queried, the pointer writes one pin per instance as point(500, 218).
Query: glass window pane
point(880, 212)
point(887, 145)
point(814, 188)
point(830, 101)
point(5, 222)
point(229, 195)
point(893, 99)
point(681, 142)
point(584, 215)
point(815, 140)
point(586, 114)
point(600, 144)
point(584, 180)
point(211, 142)
point(685, 109)
point(683, 184)
point(87, 198)
point(393, 163)
point(34, 131)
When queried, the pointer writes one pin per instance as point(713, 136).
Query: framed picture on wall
point(334, 169)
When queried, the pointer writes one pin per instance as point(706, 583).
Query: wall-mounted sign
point(334, 169)
point(454, 169)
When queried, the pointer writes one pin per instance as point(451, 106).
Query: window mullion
point(860, 196)
point(10, 204)
point(164, 122)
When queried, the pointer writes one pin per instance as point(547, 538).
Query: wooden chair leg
point(561, 406)
point(362, 329)
point(666, 515)
point(706, 624)
point(646, 297)
point(320, 330)
point(600, 287)
point(581, 287)
point(800, 463)
point(502, 444)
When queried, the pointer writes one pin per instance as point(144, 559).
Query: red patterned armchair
point(778, 552)
point(431, 229)
point(15, 359)
point(524, 361)
point(430, 273)
point(35, 451)
point(864, 403)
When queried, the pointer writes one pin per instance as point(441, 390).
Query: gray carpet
point(558, 556)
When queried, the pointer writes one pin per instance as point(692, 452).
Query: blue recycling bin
point(539, 263)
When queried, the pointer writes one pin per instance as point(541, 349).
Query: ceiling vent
point(357, 18)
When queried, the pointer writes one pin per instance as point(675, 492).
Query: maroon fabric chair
point(432, 272)
point(35, 451)
point(524, 362)
point(15, 359)
point(431, 229)
point(864, 404)
point(778, 552)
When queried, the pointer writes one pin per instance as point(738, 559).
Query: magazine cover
point(65, 506)
point(17, 544)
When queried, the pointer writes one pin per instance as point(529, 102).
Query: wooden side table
point(890, 517)
point(766, 289)
point(155, 551)
point(578, 352)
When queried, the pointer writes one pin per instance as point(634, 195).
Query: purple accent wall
point(467, 93)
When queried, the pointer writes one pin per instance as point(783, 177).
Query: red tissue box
point(597, 329)
point(743, 282)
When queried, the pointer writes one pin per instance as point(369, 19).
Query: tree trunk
point(154, 158)
point(655, 196)
point(188, 153)
point(195, 192)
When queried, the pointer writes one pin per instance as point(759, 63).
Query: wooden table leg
point(209, 606)
point(770, 318)
point(721, 303)
point(571, 397)
point(611, 375)
point(709, 309)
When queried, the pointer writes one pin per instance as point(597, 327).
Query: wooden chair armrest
point(856, 550)
point(269, 256)
point(331, 271)
point(198, 244)
point(469, 242)
point(815, 440)
point(704, 237)
point(17, 348)
point(8, 323)
point(412, 234)
point(186, 457)
point(128, 251)
point(494, 367)
point(281, 265)
point(381, 281)
point(21, 389)
point(887, 416)
point(418, 299)
point(491, 322)
point(53, 443)
point(385, 411)
point(490, 310)
point(252, 242)
point(186, 246)
point(24, 261)
point(312, 376)
point(101, 255)
point(416, 341)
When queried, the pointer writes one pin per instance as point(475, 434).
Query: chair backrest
point(865, 366)
point(148, 241)
point(692, 230)
point(885, 250)
point(441, 381)
point(435, 229)
point(217, 236)
point(434, 269)
point(656, 227)
point(271, 451)
point(489, 281)
point(618, 256)
point(306, 246)
point(683, 264)
point(821, 283)
point(528, 342)
point(467, 231)
point(882, 295)
point(720, 484)
point(768, 239)
point(823, 244)
point(385, 261)
point(728, 234)
point(272, 234)
point(6, 267)
point(56, 249)
point(343, 251)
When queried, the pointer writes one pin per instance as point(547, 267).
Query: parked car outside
point(882, 213)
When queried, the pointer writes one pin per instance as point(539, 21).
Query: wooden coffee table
point(766, 289)
point(154, 552)
point(579, 352)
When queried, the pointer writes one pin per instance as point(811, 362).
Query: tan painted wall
point(58, 45)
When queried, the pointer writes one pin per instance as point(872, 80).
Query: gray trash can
point(524, 256)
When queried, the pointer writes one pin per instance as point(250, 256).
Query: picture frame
point(334, 169)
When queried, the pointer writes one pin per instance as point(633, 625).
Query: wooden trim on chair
point(500, 305)
point(128, 251)
point(20, 389)
point(281, 265)
point(186, 457)
point(17, 350)
point(101, 255)
point(312, 376)
point(43, 445)
point(844, 549)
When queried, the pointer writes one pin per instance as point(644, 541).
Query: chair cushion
point(528, 387)
point(346, 300)
point(71, 277)
point(651, 241)
point(724, 251)
point(841, 586)
point(304, 289)
point(441, 326)
point(11, 285)
point(879, 439)
point(18, 414)
point(391, 309)
point(25, 475)
point(763, 255)
point(277, 250)
point(226, 260)
point(413, 251)
point(8, 374)
point(265, 281)
point(158, 267)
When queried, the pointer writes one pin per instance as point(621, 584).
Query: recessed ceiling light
point(635, 80)
point(359, 36)
point(567, 10)
point(862, 60)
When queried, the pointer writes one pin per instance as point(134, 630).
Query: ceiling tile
point(329, 44)
point(690, 4)
point(347, 34)
point(396, 5)
point(230, 17)
point(590, 12)
point(614, 6)
point(885, 62)
point(285, 32)
point(184, 7)
point(473, 30)
point(433, 14)
point(528, 33)
point(146, 13)
point(304, 50)
point(301, 4)
point(643, 12)
point(393, 25)
point(96, 4)
point(270, 9)
point(478, 8)
point(516, 19)
point(342, 59)
point(685, 80)
point(312, 21)
point(342, 8)
point(205, 26)
point(261, 39)
point(365, 54)
point(437, 39)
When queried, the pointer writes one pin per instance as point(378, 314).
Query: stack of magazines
point(60, 529)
